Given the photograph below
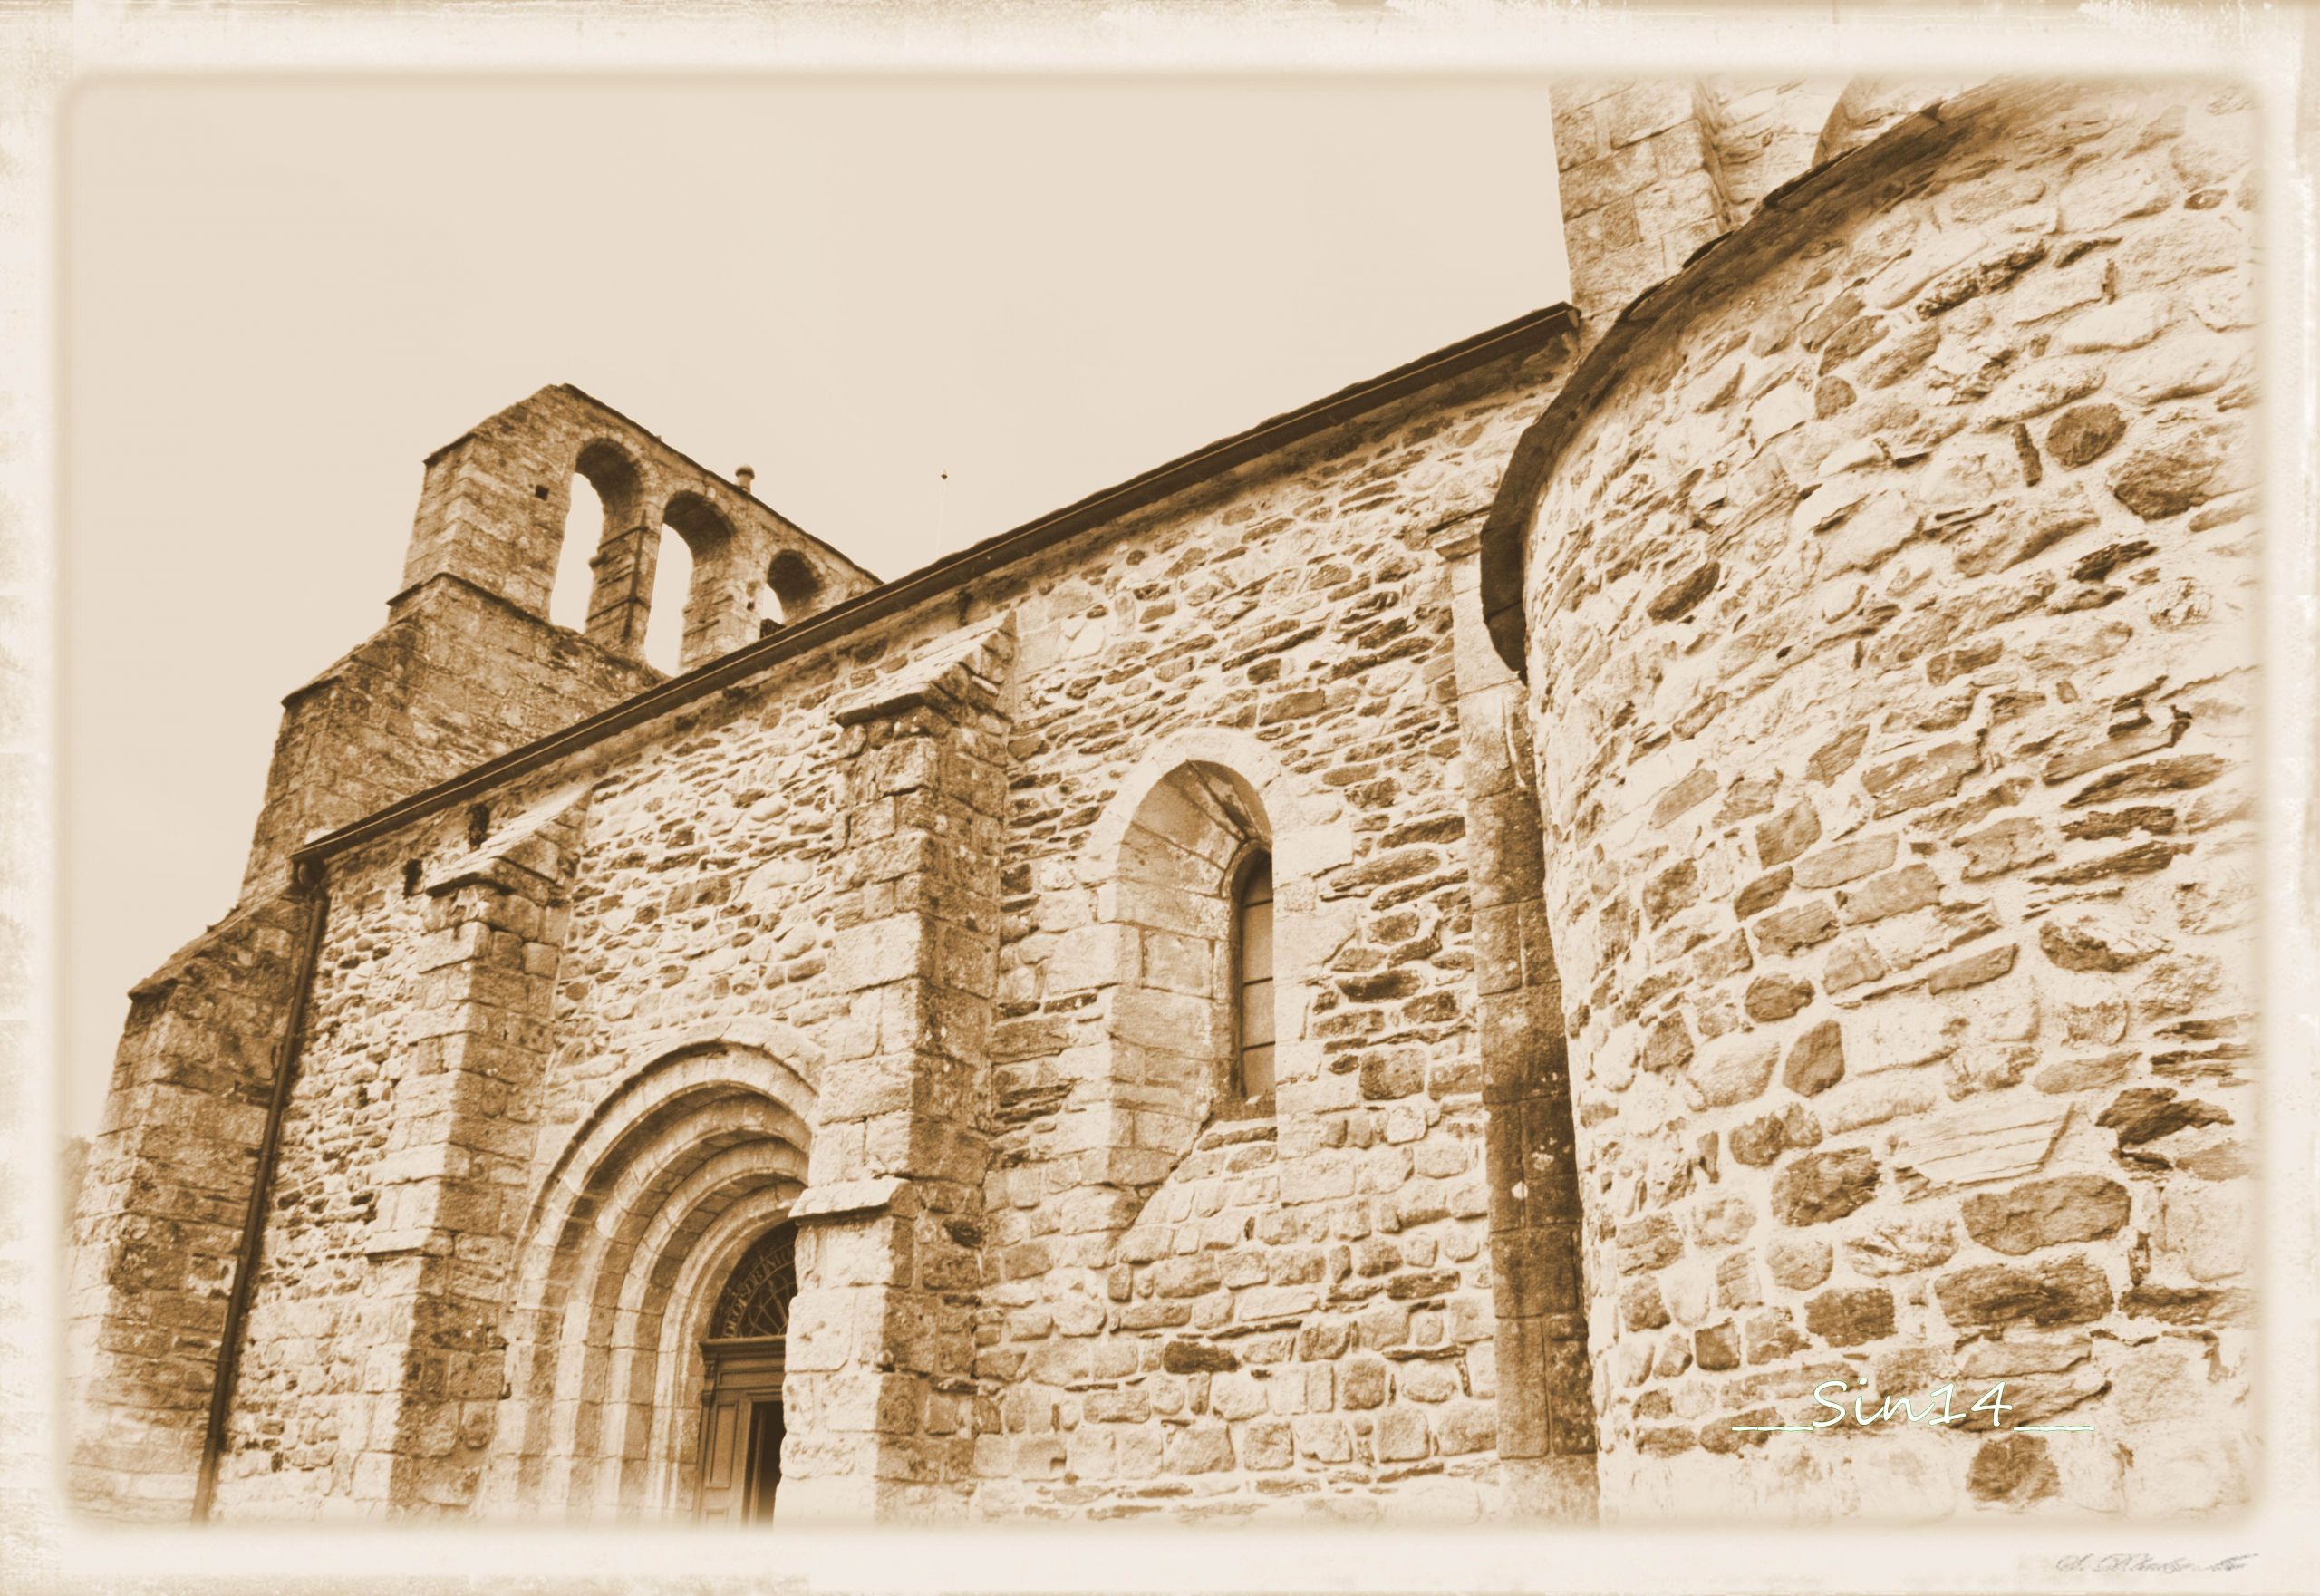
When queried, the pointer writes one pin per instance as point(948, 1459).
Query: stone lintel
point(390, 1244)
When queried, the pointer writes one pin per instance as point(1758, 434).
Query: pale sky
point(925, 310)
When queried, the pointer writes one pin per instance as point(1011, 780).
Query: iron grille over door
point(756, 1300)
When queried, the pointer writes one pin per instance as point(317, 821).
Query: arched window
point(704, 615)
point(602, 510)
point(789, 593)
point(664, 618)
point(575, 579)
point(1252, 980)
point(1187, 990)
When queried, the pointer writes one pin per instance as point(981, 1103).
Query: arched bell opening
point(604, 564)
point(790, 591)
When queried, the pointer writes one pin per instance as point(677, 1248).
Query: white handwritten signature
point(1992, 1402)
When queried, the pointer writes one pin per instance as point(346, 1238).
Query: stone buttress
point(164, 1202)
point(890, 1229)
point(453, 1183)
point(1546, 1407)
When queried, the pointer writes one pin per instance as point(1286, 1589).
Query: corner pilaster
point(452, 1192)
point(1546, 1404)
point(879, 1389)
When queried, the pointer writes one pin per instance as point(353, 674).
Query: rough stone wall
point(1887, 674)
point(1641, 184)
point(1888, 630)
point(1301, 1309)
point(308, 1393)
point(161, 1204)
point(379, 1324)
point(1298, 1314)
point(456, 677)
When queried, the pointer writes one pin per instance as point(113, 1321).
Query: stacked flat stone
point(1890, 645)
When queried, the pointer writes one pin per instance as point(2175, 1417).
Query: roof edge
point(1791, 209)
point(1509, 339)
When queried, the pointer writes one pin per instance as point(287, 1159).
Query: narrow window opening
point(1252, 961)
point(478, 824)
point(584, 530)
point(593, 591)
point(791, 585)
point(697, 608)
point(664, 619)
point(411, 868)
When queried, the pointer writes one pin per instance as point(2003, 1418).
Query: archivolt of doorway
point(651, 1302)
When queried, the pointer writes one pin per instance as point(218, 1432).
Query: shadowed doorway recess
point(740, 1430)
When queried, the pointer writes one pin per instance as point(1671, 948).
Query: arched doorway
point(742, 1354)
point(646, 1219)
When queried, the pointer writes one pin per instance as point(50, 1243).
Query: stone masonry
point(1754, 774)
point(1886, 607)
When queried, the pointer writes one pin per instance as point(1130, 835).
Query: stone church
point(1470, 951)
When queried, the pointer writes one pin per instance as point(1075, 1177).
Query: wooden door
point(740, 1431)
point(724, 1475)
point(741, 1419)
